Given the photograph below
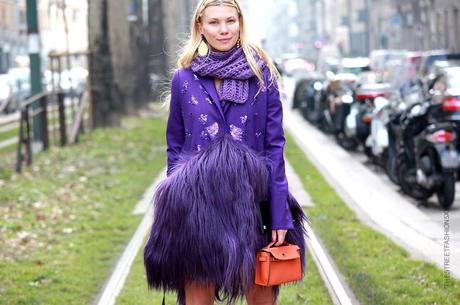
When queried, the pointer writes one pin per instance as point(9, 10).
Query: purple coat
point(196, 117)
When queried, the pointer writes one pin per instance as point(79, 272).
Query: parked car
point(291, 64)
point(19, 79)
point(328, 66)
point(354, 65)
point(5, 93)
point(429, 59)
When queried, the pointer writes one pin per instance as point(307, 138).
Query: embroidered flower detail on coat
point(259, 133)
point(193, 100)
point(244, 119)
point(203, 118)
point(195, 76)
point(204, 135)
point(237, 133)
point(212, 130)
point(208, 100)
point(197, 147)
point(184, 87)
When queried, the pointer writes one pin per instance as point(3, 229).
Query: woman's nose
point(223, 28)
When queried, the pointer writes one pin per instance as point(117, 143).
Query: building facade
point(52, 27)
point(430, 24)
point(290, 28)
point(13, 33)
point(63, 26)
point(414, 25)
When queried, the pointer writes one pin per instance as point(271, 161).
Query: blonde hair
point(189, 52)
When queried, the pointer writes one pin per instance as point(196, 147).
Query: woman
point(225, 146)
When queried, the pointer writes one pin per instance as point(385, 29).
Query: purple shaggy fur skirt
point(207, 221)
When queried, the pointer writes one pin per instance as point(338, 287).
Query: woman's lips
point(224, 40)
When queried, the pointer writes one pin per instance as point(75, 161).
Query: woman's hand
point(278, 237)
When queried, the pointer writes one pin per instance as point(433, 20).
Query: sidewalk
point(375, 203)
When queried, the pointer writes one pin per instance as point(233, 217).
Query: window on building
point(456, 26)
point(410, 19)
point(75, 15)
point(22, 17)
point(423, 12)
point(446, 29)
point(3, 14)
point(439, 23)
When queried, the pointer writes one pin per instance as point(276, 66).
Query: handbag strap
point(270, 245)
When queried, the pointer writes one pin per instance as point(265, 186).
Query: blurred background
point(139, 39)
point(67, 66)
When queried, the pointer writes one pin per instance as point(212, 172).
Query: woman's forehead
point(220, 12)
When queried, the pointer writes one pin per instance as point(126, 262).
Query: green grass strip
point(65, 221)
point(6, 135)
point(379, 271)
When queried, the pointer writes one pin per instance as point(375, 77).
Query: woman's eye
point(213, 22)
point(231, 21)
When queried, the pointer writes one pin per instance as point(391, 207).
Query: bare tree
point(106, 106)
point(128, 51)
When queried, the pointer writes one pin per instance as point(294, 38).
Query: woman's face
point(220, 25)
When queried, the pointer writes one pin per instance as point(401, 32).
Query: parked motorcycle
point(393, 126)
point(378, 139)
point(307, 96)
point(428, 160)
point(358, 122)
point(339, 98)
point(445, 89)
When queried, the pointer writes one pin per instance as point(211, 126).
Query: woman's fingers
point(274, 236)
point(281, 234)
point(278, 236)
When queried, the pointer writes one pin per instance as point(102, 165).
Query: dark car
point(445, 89)
point(429, 58)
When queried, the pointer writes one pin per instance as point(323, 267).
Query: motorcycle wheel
point(325, 123)
point(413, 189)
point(368, 152)
point(391, 169)
point(345, 142)
point(300, 95)
point(446, 191)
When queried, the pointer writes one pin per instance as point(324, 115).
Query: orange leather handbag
point(278, 265)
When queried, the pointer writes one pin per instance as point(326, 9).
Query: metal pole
point(350, 27)
point(62, 119)
point(368, 6)
point(35, 63)
point(44, 121)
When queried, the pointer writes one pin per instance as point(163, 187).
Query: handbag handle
point(270, 245)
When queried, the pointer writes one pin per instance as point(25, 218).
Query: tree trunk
point(106, 106)
point(128, 55)
point(158, 65)
point(157, 37)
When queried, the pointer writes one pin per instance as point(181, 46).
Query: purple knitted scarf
point(230, 66)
